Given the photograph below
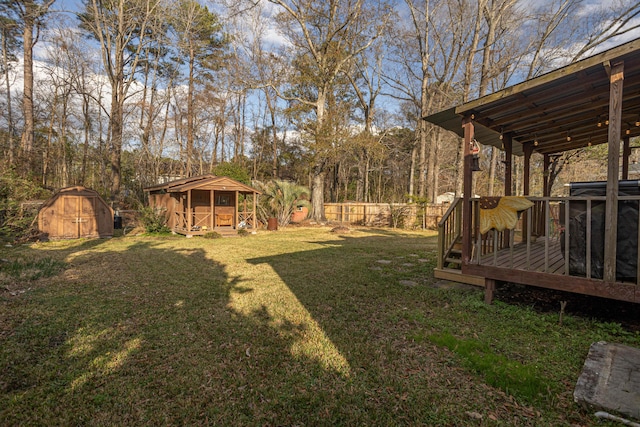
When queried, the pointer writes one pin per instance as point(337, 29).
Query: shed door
point(78, 218)
point(87, 217)
point(70, 229)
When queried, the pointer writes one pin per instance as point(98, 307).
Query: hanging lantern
point(475, 156)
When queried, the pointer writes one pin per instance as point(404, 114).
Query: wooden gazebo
point(200, 204)
point(593, 101)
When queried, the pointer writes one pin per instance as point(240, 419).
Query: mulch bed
point(548, 301)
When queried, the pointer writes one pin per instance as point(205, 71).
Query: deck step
point(457, 276)
point(457, 261)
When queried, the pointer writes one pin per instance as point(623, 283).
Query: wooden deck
point(503, 256)
point(529, 257)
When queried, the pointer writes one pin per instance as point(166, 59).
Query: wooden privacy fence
point(403, 215)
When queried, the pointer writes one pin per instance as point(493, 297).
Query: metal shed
point(75, 212)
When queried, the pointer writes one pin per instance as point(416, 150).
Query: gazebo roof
point(203, 182)
point(559, 111)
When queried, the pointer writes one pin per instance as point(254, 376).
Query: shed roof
point(558, 111)
point(203, 182)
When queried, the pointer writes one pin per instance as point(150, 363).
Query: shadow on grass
point(149, 333)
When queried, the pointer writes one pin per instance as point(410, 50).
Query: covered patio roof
point(559, 111)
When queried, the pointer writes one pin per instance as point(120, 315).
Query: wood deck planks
point(516, 257)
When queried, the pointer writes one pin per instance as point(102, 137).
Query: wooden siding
point(75, 212)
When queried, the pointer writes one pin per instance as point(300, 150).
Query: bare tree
point(201, 41)
point(30, 15)
point(120, 27)
point(325, 37)
point(9, 34)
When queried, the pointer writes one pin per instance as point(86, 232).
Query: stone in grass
point(610, 379)
point(423, 260)
point(474, 415)
point(383, 261)
point(409, 283)
point(341, 230)
point(408, 264)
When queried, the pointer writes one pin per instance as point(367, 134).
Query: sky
point(273, 38)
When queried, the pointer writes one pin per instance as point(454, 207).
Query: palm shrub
point(279, 199)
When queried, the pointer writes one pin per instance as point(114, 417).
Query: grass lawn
point(298, 327)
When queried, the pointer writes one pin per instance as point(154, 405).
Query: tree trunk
point(412, 169)
point(317, 192)
point(366, 181)
point(115, 132)
point(492, 169)
point(28, 133)
point(318, 173)
point(5, 62)
point(431, 167)
point(190, 114)
point(423, 132)
point(460, 163)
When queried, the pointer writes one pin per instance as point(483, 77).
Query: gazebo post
point(616, 80)
point(189, 219)
point(235, 221)
point(255, 213)
point(212, 207)
point(467, 125)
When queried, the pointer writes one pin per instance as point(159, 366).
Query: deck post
point(526, 175)
point(467, 125)
point(616, 79)
point(489, 289)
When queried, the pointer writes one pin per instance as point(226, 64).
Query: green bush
point(16, 218)
point(243, 232)
point(154, 220)
point(212, 235)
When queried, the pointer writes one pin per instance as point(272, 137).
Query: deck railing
point(246, 218)
point(449, 232)
point(565, 236)
point(200, 220)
